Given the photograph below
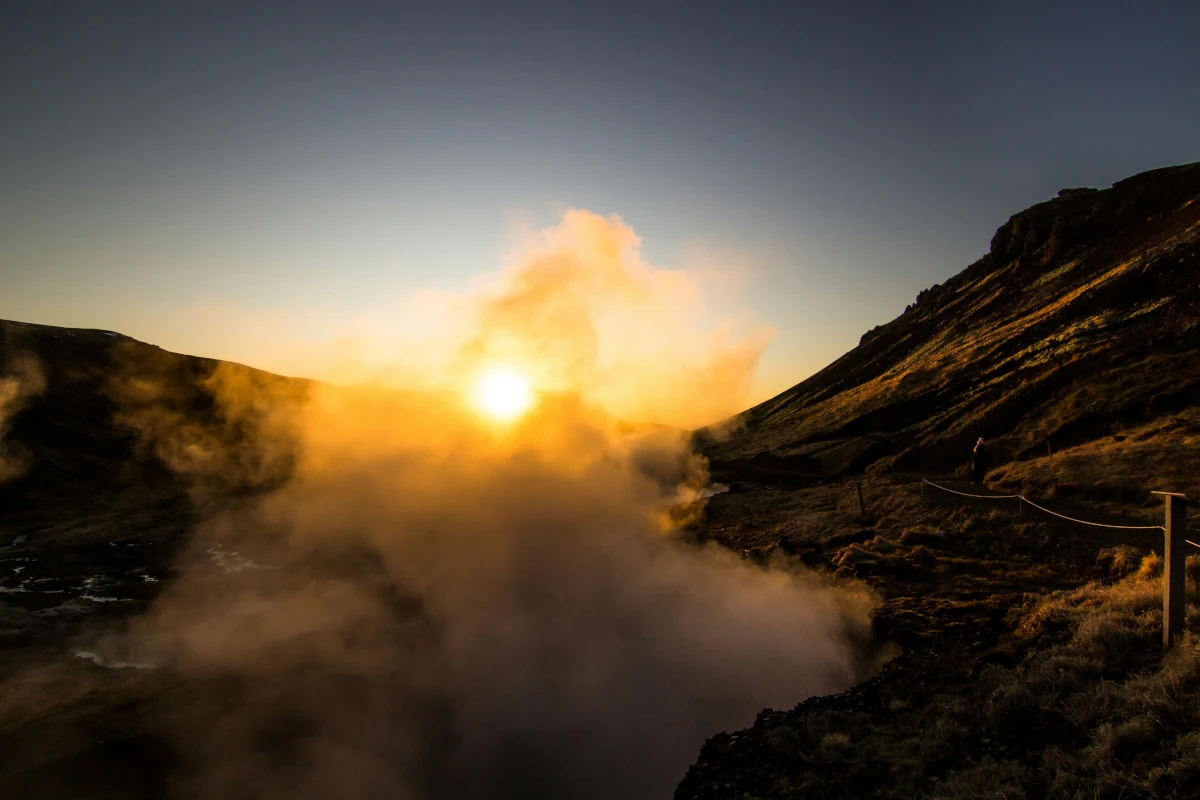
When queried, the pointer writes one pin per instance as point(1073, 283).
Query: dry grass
point(1081, 322)
point(1115, 468)
point(1125, 719)
point(1032, 663)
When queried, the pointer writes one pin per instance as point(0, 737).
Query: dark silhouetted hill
point(80, 472)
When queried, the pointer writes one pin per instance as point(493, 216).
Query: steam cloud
point(24, 379)
point(577, 309)
point(434, 605)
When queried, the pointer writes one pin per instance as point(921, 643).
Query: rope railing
point(1094, 524)
point(1174, 555)
point(1025, 499)
point(978, 496)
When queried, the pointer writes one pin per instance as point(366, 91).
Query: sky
point(207, 176)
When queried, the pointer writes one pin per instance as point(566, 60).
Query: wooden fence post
point(1174, 557)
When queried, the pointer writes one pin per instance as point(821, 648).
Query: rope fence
point(1025, 499)
point(1174, 552)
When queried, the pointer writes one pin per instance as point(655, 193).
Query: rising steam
point(23, 380)
point(576, 309)
point(434, 605)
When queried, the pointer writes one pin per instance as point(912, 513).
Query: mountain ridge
point(1087, 283)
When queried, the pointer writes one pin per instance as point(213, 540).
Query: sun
point(502, 393)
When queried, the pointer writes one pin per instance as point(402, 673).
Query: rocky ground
point(993, 653)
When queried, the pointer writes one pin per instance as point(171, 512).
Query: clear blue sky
point(159, 157)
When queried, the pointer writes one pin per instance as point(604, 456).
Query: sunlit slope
point(1080, 323)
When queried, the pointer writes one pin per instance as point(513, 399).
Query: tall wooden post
point(1174, 557)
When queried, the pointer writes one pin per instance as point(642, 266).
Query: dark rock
point(915, 537)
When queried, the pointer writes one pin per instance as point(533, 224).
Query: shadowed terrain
point(93, 525)
point(1029, 660)
point(86, 488)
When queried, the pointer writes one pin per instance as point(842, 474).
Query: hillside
point(1028, 660)
point(68, 461)
point(85, 496)
point(1082, 321)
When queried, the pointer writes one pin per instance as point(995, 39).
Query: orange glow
point(502, 393)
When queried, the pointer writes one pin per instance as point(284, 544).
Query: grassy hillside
point(1083, 321)
point(1027, 651)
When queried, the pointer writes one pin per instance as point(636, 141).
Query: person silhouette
point(979, 459)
